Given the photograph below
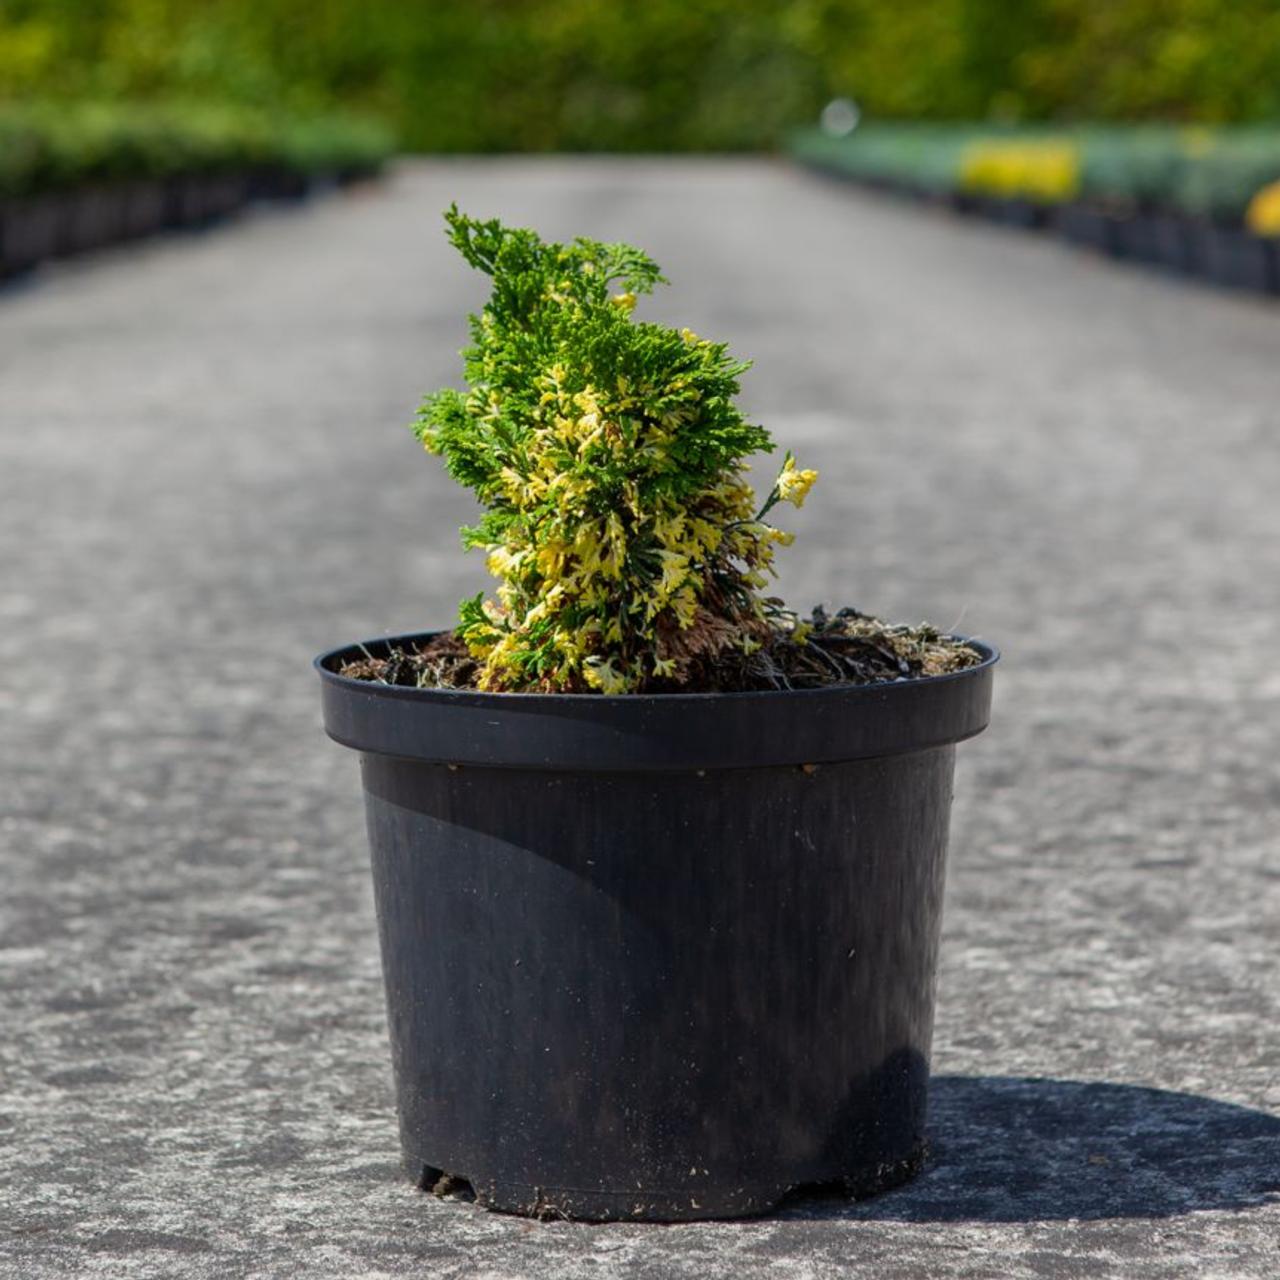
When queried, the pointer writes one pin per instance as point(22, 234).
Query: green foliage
point(536, 75)
point(54, 145)
point(1135, 168)
point(928, 157)
point(1210, 173)
point(610, 456)
point(1225, 174)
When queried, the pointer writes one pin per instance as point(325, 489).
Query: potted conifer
point(658, 863)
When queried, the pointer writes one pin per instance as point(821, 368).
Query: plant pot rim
point(651, 732)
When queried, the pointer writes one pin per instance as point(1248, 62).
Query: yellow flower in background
point(794, 484)
point(1262, 217)
point(1045, 170)
point(1051, 172)
point(624, 301)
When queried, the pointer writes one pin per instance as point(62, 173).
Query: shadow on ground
point(1011, 1149)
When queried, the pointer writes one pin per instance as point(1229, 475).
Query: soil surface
point(849, 648)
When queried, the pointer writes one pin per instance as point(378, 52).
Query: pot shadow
point(1016, 1149)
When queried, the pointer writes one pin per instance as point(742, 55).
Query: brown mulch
point(845, 648)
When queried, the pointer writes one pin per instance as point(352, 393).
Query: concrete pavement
point(204, 480)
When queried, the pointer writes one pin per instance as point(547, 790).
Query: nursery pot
point(1086, 225)
point(1015, 212)
point(658, 957)
point(94, 218)
point(1236, 259)
point(1174, 244)
point(145, 207)
point(30, 231)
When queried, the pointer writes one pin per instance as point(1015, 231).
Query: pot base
point(688, 1205)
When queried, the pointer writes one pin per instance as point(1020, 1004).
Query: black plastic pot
point(1236, 259)
point(145, 208)
point(95, 216)
point(661, 957)
point(1085, 225)
point(185, 200)
point(1015, 212)
point(275, 182)
point(30, 231)
point(1172, 244)
point(201, 199)
point(1142, 237)
point(224, 194)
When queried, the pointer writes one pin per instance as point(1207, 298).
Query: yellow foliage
point(1047, 172)
point(1262, 217)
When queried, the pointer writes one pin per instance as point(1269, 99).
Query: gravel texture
point(204, 480)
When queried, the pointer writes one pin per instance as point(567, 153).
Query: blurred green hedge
point(1212, 173)
point(477, 75)
point(51, 146)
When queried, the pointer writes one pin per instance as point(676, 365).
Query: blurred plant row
point(517, 75)
point(1198, 199)
point(1202, 172)
point(75, 176)
point(55, 146)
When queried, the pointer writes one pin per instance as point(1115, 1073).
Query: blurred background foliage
point(538, 75)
